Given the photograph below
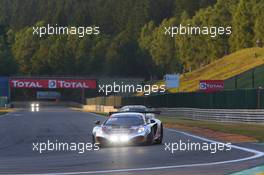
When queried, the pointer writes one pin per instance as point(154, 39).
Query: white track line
point(256, 154)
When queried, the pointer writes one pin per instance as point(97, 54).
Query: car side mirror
point(97, 122)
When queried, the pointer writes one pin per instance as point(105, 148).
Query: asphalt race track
point(20, 129)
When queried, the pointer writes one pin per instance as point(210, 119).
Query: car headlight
point(99, 131)
point(124, 138)
point(141, 129)
point(119, 138)
point(113, 138)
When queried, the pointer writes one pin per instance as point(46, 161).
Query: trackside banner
point(211, 85)
point(53, 83)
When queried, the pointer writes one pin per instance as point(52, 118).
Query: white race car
point(123, 128)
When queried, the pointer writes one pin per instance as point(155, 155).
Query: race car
point(125, 128)
point(149, 114)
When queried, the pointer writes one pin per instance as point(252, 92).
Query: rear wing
point(142, 112)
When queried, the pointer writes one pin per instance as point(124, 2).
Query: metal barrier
point(223, 115)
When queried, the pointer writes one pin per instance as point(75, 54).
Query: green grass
point(221, 69)
point(251, 130)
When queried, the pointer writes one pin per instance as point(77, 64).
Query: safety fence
point(228, 99)
point(222, 115)
point(252, 78)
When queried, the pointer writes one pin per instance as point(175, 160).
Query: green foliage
point(259, 22)
point(162, 48)
point(243, 23)
point(194, 51)
point(131, 41)
point(7, 63)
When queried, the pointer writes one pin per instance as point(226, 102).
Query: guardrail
point(223, 115)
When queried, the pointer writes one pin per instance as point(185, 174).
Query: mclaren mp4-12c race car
point(126, 128)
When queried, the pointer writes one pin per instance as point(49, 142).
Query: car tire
point(101, 145)
point(150, 138)
point(93, 140)
point(159, 140)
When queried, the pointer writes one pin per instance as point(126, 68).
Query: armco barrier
point(219, 115)
point(224, 115)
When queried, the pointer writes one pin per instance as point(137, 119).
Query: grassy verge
point(254, 131)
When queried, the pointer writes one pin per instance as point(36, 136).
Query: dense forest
point(131, 42)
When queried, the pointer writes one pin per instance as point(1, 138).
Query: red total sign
point(211, 85)
point(53, 83)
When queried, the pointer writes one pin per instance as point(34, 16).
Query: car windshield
point(125, 121)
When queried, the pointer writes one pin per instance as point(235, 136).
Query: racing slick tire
point(159, 140)
point(93, 140)
point(150, 138)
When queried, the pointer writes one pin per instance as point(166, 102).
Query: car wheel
point(101, 145)
point(159, 141)
point(93, 140)
point(150, 138)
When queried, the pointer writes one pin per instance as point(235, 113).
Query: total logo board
point(211, 85)
point(53, 83)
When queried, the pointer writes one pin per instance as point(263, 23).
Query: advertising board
point(211, 85)
point(172, 80)
point(53, 83)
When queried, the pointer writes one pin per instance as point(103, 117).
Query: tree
point(161, 47)
point(123, 58)
point(243, 23)
point(7, 62)
point(259, 22)
point(24, 48)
